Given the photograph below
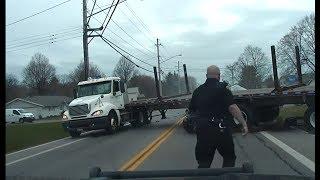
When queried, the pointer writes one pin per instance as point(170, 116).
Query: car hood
point(28, 114)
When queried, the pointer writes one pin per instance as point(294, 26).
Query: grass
point(21, 136)
point(294, 111)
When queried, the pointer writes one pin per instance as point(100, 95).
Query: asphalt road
point(160, 146)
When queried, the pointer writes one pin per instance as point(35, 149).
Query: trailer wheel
point(146, 119)
point(138, 119)
point(113, 123)
point(268, 113)
point(309, 119)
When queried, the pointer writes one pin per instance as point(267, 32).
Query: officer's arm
point(236, 113)
point(234, 110)
point(192, 106)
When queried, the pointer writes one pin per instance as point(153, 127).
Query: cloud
point(205, 32)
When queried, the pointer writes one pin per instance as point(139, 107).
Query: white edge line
point(301, 158)
point(7, 164)
point(36, 146)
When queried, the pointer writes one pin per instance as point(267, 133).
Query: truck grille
point(79, 110)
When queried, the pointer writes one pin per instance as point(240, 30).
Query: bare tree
point(125, 69)
point(77, 74)
point(38, 73)
point(193, 84)
point(249, 77)
point(146, 85)
point(254, 56)
point(231, 74)
point(303, 36)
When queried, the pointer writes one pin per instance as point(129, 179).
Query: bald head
point(213, 72)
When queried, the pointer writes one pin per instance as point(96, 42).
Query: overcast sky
point(205, 32)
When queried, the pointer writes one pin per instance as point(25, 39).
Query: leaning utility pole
point(179, 78)
point(85, 41)
point(159, 69)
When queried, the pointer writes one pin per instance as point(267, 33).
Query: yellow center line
point(134, 162)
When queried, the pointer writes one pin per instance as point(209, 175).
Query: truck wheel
point(138, 119)
point(309, 119)
point(146, 119)
point(269, 113)
point(21, 120)
point(74, 133)
point(113, 123)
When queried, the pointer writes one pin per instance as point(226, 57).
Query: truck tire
point(74, 133)
point(146, 119)
point(309, 119)
point(113, 126)
point(21, 120)
point(139, 119)
point(269, 113)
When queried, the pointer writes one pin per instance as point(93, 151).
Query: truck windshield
point(94, 89)
point(21, 111)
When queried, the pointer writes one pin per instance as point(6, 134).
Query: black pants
point(210, 139)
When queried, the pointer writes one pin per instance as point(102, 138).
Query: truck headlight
point(97, 113)
point(64, 117)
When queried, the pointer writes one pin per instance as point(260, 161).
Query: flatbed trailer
point(259, 106)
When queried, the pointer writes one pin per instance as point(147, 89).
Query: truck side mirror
point(74, 93)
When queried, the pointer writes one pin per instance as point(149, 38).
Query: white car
point(18, 115)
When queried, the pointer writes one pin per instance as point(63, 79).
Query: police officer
point(212, 103)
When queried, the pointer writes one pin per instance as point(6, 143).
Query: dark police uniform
point(210, 102)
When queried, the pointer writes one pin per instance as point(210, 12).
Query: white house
point(41, 106)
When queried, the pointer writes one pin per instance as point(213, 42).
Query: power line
point(105, 8)
point(44, 38)
point(94, 3)
point(135, 25)
point(38, 13)
point(123, 39)
point(110, 17)
point(120, 28)
point(45, 34)
point(129, 53)
point(47, 43)
point(131, 36)
point(109, 43)
point(139, 19)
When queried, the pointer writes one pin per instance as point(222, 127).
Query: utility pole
point(85, 41)
point(179, 77)
point(159, 69)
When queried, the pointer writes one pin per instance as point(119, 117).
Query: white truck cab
point(98, 104)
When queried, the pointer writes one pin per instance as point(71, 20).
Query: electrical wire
point(106, 8)
point(134, 24)
point(128, 53)
point(139, 19)
point(123, 39)
point(41, 39)
point(47, 43)
point(37, 13)
point(36, 36)
point(109, 43)
point(94, 3)
point(131, 36)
